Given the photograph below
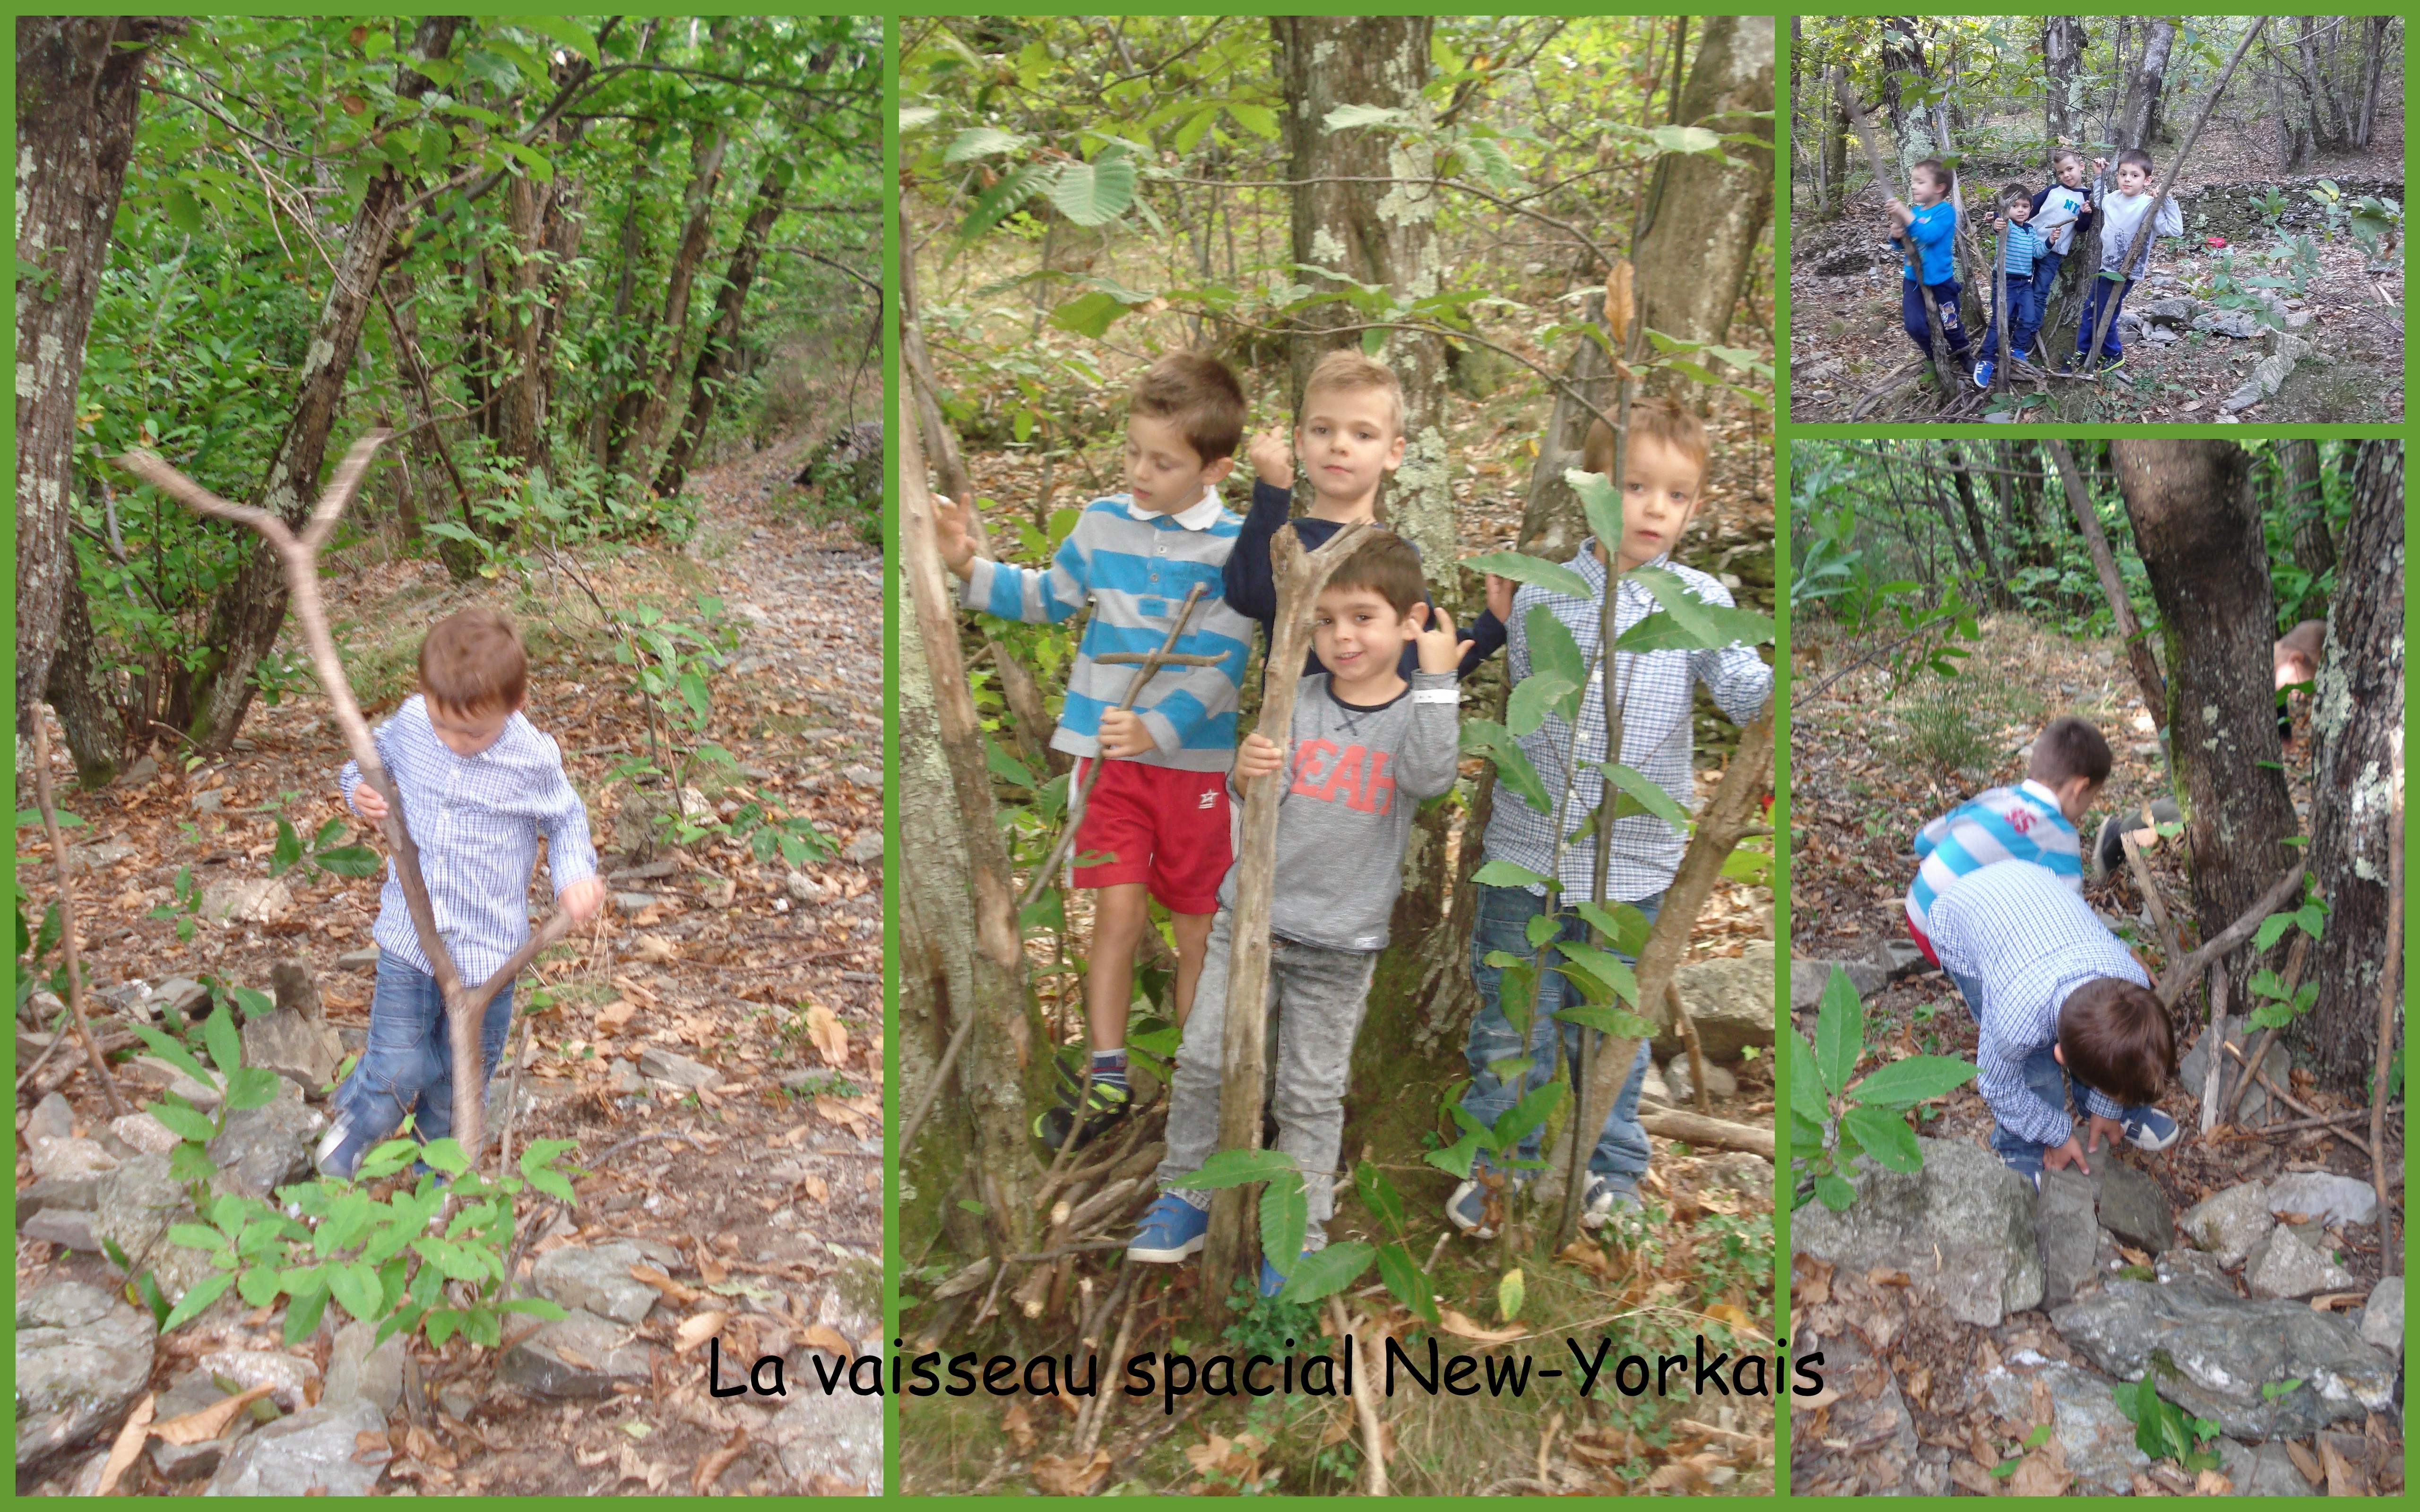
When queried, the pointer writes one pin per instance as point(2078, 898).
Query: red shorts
point(1159, 825)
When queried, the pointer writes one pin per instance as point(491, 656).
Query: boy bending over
point(1157, 815)
point(479, 785)
point(1368, 747)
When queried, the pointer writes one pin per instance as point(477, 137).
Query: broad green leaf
point(1540, 928)
point(1348, 118)
point(349, 860)
point(1524, 569)
point(1718, 628)
point(184, 1123)
point(1903, 1084)
point(1510, 1293)
point(1455, 1159)
point(1840, 1031)
point(535, 1161)
point(1551, 651)
point(1258, 119)
point(289, 849)
point(980, 142)
point(1806, 1089)
point(1538, 696)
point(2273, 929)
point(1095, 192)
point(197, 1236)
point(1485, 737)
point(257, 1286)
point(1833, 1193)
point(1089, 315)
point(1529, 1112)
point(356, 1289)
point(251, 1087)
point(1612, 974)
point(446, 1155)
point(1286, 1218)
point(1237, 1167)
point(1602, 501)
point(1318, 1276)
point(1001, 200)
point(1651, 797)
point(200, 1295)
point(1885, 1137)
point(1623, 925)
point(1507, 874)
point(1687, 139)
point(1378, 1195)
point(225, 1042)
point(1409, 1282)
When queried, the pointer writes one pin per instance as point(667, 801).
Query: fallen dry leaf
point(1018, 1424)
point(828, 1339)
point(710, 1468)
point(614, 1014)
point(2039, 1474)
point(1057, 1476)
point(2306, 1461)
point(2345, 1478)
point(829, 1033)
point(212, 1421)
point(655, 949)
point(2212, 1483)
point(1462, 1327)
point(697, 1330)
point(675, 1293)
point(129, 1445)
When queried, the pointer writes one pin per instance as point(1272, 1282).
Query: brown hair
point(1196, 393)
point(1346, 371)
point(1661, 420)
point(2016, 195)
point(2068, 748)
point(2115, 1037)
point(1388, 565)
point(472, 662)
point(2059, 155)
point(1932, 168)
point(2135, 158)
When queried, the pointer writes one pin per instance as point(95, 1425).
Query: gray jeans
point(1317, 999)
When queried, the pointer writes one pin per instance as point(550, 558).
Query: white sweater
point(2122, 215)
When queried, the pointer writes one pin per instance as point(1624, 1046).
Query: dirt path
point(756, 1195)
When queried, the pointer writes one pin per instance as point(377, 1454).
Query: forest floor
point(1869, 767)
point(1850, 359)
point(753, 1188)
point(1702, 1264)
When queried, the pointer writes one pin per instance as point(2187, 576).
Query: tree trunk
point(2373, 65)
point(2138, 121)
point(1553, 522)
point(79, 90)
point(2063, 41)
point(651, 401)
point(1378, 233)
point(714, 357)
point(2357, 771)
point(2305, 510)
point(2197, 526)
point(960, 952)
point(1995, 580)
point(1703, 217)
point(79, 688)
point(2328, 120)
point(1836, 152)
point(1902, 52)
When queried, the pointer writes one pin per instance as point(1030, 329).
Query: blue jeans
point(2100, 295)
point(1911, 313)
point(1502, 923)
point(408, 1067)
point(2025, 317)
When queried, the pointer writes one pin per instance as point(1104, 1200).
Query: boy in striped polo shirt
point(2054, 995)
point(1156, 821)
point(2024, 301)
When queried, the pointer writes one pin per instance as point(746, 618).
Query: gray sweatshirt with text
point(1355, 776)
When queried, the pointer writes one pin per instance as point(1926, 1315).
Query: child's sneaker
point(1605, 1193)
point(2111, 365)
point(1103, 1104)
point(344, 1147)
point(1172, 1230)
point(1983, 371)
point(2150, 1129)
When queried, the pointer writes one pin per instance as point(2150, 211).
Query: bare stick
point(2188, 971)
point(2142, 232)
point(67, 918)
point(1698, 1129)
point(1365, 1404)
point(2294, 959)
point(465, 1006)
point(2389, 995)
point(1939, 344)
point(1689, 1027)
point(2378, 1172)
point(2113, 587)
point(2217, 1037)
point(1300, 576)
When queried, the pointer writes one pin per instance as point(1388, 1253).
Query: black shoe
point(1102, 1106)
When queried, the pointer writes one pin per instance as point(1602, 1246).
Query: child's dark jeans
point(2024, 319)
point(1502, 923)
point(1945, 299)
point(2099, 294)
point(408, 1066)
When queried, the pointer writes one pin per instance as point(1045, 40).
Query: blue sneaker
point(344, 1147)
point(1172, 1230)
point(1608, 1191)
point(1983, 371)
point(2150, 1129)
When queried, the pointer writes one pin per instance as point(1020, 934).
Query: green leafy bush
point(1833, 1120)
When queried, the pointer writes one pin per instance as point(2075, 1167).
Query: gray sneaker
point(1605, 1194)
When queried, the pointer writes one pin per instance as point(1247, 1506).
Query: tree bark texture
point(1902, 51)
point(2298, 466)
point(715, 356)
point(1552, 522)
point(2139, 120)
point(247, 613)
point(2063, 41)
point(2357, 771)
point(960, 941)
point(2197, 526)
point(79, 687)
point(641, 415)
point(79, 91)
point(1704, 216)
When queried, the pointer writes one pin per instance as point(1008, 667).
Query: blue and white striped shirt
point(1655, 687)
point(2025, 245)
point(476, 820)
point(2030, 941)
point(2019, 823)
point(1137, 567)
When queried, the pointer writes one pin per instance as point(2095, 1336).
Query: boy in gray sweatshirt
point(1368, 747)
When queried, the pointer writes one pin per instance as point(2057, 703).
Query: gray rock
point(64, 1226)
point(459, 1398)
point(288, 1375)
point(265, 1148)
point(192, 1392)
point(2260, 1469)
point(182, 996)
point(133, 1208)
point(296, 988)
point(364, 959)
point(2281, 1265)
point(624, 1079)
point(2231, 1223)
point(2255, 1111)
point(2381, 1316)
point(53, 1117)
point(804, 889)
point(1808, 978)
point(677, 1070)
point(1963, 1228)
point(631, 902)
point(2325, 1196)
point(2215, 1350)
point(1719, 1083)
point(159, 1068)
point(2181, 1262)
point(2240, 324)
point(79, 1195)
point(210, 802)
point(866, 850)
point(70, 1159)
point(860, 775)
point(82, 1359)
point(311, 1451)
point(1730, 1000)
point(598, 1278)
point(2097, 1437)
point(2133, 1206)
point(2243, 398)
point(144, 1134)
point(2070, 1237)
point(358, 1369)
point(579, 1354)
point(258, 900)
point(144, 770)
point(837, 1436)
point(303, 1050)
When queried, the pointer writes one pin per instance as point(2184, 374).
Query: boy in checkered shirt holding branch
point(1662, 472)
point(480, 784)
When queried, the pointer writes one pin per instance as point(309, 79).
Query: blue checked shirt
point(2030, 940)
point(476, 820)
point(1654, 687)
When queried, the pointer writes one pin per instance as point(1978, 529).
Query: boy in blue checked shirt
point(479, 785)
point(2025, 247)
point(2034, 822)
point(1157, 817)
point(1662, 470)
point(2056, 997)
